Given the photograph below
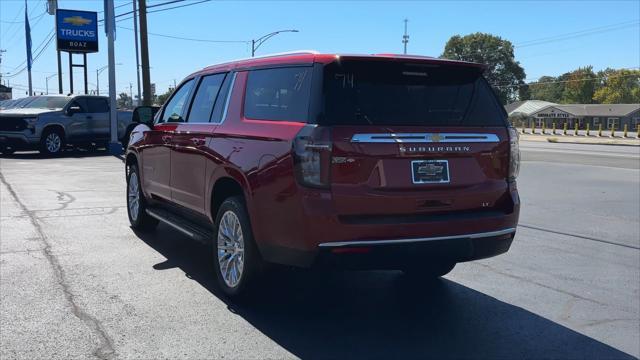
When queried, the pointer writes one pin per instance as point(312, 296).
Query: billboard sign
point(77, 31)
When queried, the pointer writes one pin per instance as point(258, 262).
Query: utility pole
point(144, 49)
point(27, 36)
point(405, 37)
point(131, 93)
point(109, 23)
point(1, 51)
point(135, 34)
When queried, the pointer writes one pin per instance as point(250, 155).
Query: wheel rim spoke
point(230, 242)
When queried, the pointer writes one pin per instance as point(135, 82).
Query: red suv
point(357, 161)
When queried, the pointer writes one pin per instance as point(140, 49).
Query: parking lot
point(77, 282)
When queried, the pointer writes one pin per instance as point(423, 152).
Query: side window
point(205, 98)
point(278, 94)
point(81, 103)
point(174, 109)
point(221, 102)
point(96, 105)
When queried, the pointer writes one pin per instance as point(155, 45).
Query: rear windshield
point(411, 94)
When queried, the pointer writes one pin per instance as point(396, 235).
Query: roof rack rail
point(293, 52)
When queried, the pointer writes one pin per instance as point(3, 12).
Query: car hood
point(26, 111)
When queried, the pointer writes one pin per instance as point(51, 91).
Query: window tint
point(174, 108)
point(205, 98)
point(278, 94)
point(95, 105)
point(221, 102)
point(367, 93)
point(81, 103)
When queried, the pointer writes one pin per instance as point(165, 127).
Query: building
point(616, 116)
point(5, 92)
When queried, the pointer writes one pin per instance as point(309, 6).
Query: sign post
point(76, 32)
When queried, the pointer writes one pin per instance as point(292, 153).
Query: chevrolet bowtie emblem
point(436, 137)
point(77, 20)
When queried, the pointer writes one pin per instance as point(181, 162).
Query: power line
point(571, 80)
point(577, 34)
point(37, 56)
point(177, 7)
point(36, 48)
point(190, 39)
point(164, 3)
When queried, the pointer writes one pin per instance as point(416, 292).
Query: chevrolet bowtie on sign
point(77, 31)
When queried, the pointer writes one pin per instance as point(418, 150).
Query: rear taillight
point(312, 156)
point(514, 154)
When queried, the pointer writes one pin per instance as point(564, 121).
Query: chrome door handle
point(166, 139)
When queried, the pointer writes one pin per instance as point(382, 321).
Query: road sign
point(77, 31)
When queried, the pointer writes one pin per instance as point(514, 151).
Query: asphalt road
point(77, 282)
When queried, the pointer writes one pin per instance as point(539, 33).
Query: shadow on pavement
point(70, 153)
point(381, 315)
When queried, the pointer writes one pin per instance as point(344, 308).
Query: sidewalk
point(580, 139)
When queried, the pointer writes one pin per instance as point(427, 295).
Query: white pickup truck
point(49, 123)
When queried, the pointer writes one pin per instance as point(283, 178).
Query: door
point(97, 118)
point(189, 144)
point(155, 155)
point(77, 112)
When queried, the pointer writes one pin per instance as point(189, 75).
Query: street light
point(98, 71)
point(47, 81)
point(255, 44)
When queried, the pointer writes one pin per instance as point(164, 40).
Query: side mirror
point(73, 109)
point(145, 114)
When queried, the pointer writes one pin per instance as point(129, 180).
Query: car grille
point(12, 124)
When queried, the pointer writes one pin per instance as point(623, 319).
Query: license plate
point(430, 171)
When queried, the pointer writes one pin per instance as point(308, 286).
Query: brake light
point(312, 156)
point(514, 154)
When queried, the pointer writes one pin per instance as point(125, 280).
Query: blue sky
point(328, 26)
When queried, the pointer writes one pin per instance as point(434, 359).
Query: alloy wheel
point(133, 195)
point(230, 249)
point(53, 142)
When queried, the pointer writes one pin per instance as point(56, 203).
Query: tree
point(124, 101)
point(579, 86)
point(547, 88)
point(504, 72)
point(618, 87)
point(160, 99)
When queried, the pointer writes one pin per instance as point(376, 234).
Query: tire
point(136, 203)
point(237, 262)
point(52, 142)
point(430, 271)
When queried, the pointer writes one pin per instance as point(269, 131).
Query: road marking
point(578, 236)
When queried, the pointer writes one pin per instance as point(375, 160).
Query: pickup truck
point(49, 123)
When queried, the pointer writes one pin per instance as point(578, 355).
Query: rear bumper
point(316, 235)
point(403, 253)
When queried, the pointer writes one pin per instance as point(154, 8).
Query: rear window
point(410, 94)
point(280, 94)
